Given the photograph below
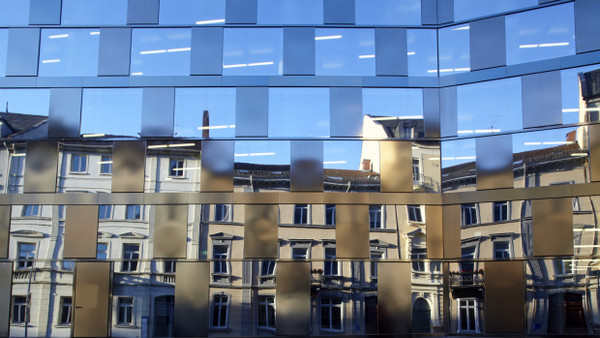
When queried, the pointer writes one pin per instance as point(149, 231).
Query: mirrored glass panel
point(574, 83)
point(85, 168)
point(393, 113)
point(290, 12)
point(253, 51)
point(164, 51)
point(261, 166)
point(351, 166)
point(94, 12)
point(541, 34)
point(422, 52)
point(34, 102)
point(14, 12)
point(111, 111)
point(69, 52)
point(205, 112)
point(454, 49)
point(489, 107)
point(458, 165)
point(173, 167)
point(467, 9)
point(345, 51)
point(192, 12)
point(298, 112)
point(388, 12)
point(3, 51)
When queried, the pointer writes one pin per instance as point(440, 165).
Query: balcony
point(466, 279)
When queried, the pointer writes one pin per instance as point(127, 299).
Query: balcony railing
point(466, 278)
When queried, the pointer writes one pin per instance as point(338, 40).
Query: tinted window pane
point(112, 111)
point(466, 9)
point(490, 107)
point(163, 51)
point(25, 101)
point(395, 113)
point(14, 12)
point(94, 12)
point(345, 51)
point(388, 12)
point(421, 52)
point(191, 119)
point(190, 12)
point(454, 50)
point(255, 51)
point(571, 96)
point(540, 34)
point(69, 52)
point(286, 12)
point(299, 112)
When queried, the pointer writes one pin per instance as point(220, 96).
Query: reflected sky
point(192, 12)
point(468, 9)
point(543, 139)
point(164, 51)
point(345, 51)
point(69, 52)
point(14, 12)
point(388, 12)
point(112, 111)
point(454, 50)
point(422, 52)
point(94, 12)
point(458, 152)
point(299, 112)
point(290, 12)
point(253, 51)
point(541, 34)
point(25, 101)
point(3, 50)
point(342, 154)
point(571, 93)
point(190, 104)
point(261, 152)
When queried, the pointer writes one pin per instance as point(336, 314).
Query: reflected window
point(133, 212)
point(290, 12)
point(454, 50)
point(64, 316)
point(131, 255)
point(348, 51)
point(169, 266)
point(416, 171)
point(164, 51)
point(68, 265)
point(418, 254)
point(502, 249)
point(422, 52)
point(220, 255)
point(253, 51)
point(102, 251)
point(267, 268)
point(111, 111)
point(414, 213)
point(376, 255)
point(388, 12)
point(468, 315)
point(205, 112)
point(500, 211)
point(192, 12)
point(223, 213)
point(94, 12)
point(330, 214)
point(467, 252)
point(26, 252)
point(298, 112)
point(564, 266)
point(19, 309)
point(106, 165)
point(220, 311)
point(78, 163)
point(332, 267)
point(69, 52)
point(540, 34)
point(31, 210)
point(266, 312)
point(376, 216)
point(469, 214)
point(125, 310)
point(331, 313)
point(176, 167)
point(300, 253)
point(301, 215)
point(104, 211)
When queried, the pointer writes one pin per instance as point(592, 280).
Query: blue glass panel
point(3, 50)
point(342, 154)
point(190, 104)
point(345, 51)
point(395, 113)
point(298, 112)
point(421, 52)
point(192, 12)
point(69, 52)
point(458, 152)
point(253, 51)
point(261, 152)
point(540, 34)
point(489, 107)
point(571, 96)
point(94, 12)
point(14, 12)
point(467, 9)
point(114, 111)
point(290, 12)
point(454, 50)
point(25, 101)
point(164, 51)
point(388, 12)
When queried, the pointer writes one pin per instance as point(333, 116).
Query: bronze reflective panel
point(395, 160)
point(306, 172)
point(129, 160)
point(5, 296)
point(293, 299)
point(552, 227)
point(191, 299)
point(260, 231)
point(435, 234)
point(170, 231)
point(81, 231)
point(41, 165)
point(217, 166)
point(594, 151)
point(494, 162)
point(451, 219)
point(92, 299)
point(352, 231)
point(5, 211)
point(394, 297)
point(504, 297)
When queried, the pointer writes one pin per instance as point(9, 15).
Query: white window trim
point(110, 158)
point(110, 216)
point(227, 260)
point(510, 246)
point(33, 259)
point(117, 308)
point(383, 256)
point(330, 317)
point(508, 211)
point(477, 215)
point(421, 209)
point(326, 261)
point(334, 215)
point(300, 246)
point(476, 312)
point(60, 313)
point(107, 249)
point(308, 214)
point(142, 213)
point(183, 171)
point(87, 164)
point(212, 311)
point(381, 217)
point(229, 215)
point(267, 314)
point(139, 260)
point(262, 263)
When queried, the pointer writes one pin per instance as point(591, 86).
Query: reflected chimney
point(366, 165)
point(205, 124)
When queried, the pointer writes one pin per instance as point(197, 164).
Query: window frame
point(373, 261)
point(228, 214)
point(223, 262)
point(379, 216)
point(107, 250)
point(271, 265)
point(305, 210)
point(141, 212)
point(473, 208)
point(26, 262)
point(61, 312)
point(177, 172)
point(501, 204)
point(125, 307)
point(83, 160)
point(475, 307)
point(104, 207)
point(419, 253)
point(227, 304)
point(415, 207)
point(264, 306)
point(104, 159)
point(331, 262)
point(131, 262)
point(22, 311)
point(330, 220)
point(36, 210)
point(300, 247)
point(330, 306)
point(502, 240)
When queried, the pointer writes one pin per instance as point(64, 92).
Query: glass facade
point(293, 168)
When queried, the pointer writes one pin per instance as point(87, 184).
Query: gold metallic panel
point(395, 162)
point(41, 165)
point(217, 166)
point(129, 159)
point(261, 231)
point(504, 297)
point(301, 198)
point(494, 162)
point(594, 143)
point(451, 231)
point(552, 227)
point(306, 170)
point(352, 231)
point(121, 198)
point(170, 231)
point(5, 289)
point(92, 299)
point(191, 299)
point(256, 198)
point(341, 198)
point(4, 231)
point(76, 198)
point(394, 297)
point(293, 299)
point(81, 231)
point(435, 234)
